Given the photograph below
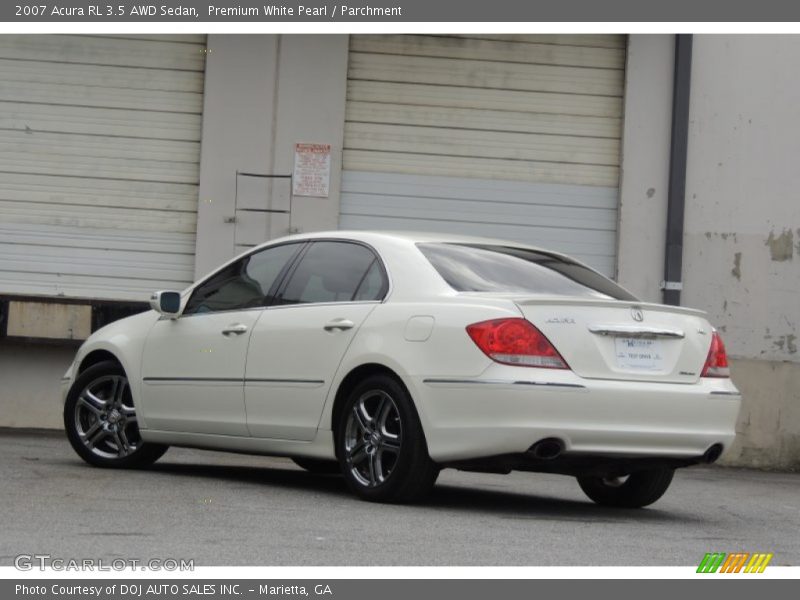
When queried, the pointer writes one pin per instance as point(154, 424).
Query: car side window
point(374, 284)
point(242, 284)
point(336, 272)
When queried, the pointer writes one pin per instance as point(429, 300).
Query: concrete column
point(645, 164)
point(310, 108)
point(263, 94)
point(238, 116)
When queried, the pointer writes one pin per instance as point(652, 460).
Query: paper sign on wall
point(312, 170)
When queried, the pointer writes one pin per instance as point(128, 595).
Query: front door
point(193, 366)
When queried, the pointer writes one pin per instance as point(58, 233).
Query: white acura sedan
point(388, 357)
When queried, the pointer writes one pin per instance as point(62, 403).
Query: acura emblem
point(637, 314)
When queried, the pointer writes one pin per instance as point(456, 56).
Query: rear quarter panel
point(392, 336)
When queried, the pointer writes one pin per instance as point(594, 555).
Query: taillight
point(515, 342)
point(717, 361)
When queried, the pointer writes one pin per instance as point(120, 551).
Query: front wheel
point(100, 420)
point(380, 443)
point(636, 490)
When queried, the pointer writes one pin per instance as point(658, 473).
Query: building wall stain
point(787, 343)
point(736, 271)
point(781, 247)
point(721, 234)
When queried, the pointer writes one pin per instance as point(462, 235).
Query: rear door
point(298, 343)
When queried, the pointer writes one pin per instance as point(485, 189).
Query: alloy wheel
point(105, 419)
point(373, 438)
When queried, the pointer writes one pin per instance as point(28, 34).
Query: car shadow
point(501, 503)
point(286, 478)
point(450, 498)
point(516, 505)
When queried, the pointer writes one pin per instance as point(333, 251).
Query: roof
point(414, 237)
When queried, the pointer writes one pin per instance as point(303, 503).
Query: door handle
point(234, 329)
point(339, 325)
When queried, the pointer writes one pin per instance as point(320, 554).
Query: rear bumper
point(508, 409)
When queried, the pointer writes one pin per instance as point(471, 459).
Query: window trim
point(299, 258)
point(276, 285)
point(287, 271)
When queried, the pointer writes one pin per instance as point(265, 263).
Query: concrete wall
point(742, 232)
point(31, 375)
point(742, 229)
point(768, 432)
point(263, 94)
point(742, 242)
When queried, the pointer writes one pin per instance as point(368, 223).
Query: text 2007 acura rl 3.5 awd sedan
point(391, 356)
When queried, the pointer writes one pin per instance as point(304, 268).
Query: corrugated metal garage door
point(515, 137)
point(99, 163)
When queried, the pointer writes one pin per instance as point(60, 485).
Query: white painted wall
point(741, 260)
point(742, 242)
point(742, 232)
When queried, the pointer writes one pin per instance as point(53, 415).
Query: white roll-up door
point(516, 137)
point(99, 163)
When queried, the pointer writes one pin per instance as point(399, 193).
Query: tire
point(318, 466)
point(639, 489)
point(100, 420)
point(381, 446)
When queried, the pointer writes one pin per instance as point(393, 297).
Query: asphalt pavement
point(228, 509)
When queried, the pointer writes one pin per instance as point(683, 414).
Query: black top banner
point(387, 11)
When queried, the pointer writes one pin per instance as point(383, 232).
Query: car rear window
point(491, 268)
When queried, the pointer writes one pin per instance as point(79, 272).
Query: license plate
point(639, 354)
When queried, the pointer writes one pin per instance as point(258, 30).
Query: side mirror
point(166, 303)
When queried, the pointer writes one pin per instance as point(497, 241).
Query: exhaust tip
point(712, 454)
point(547, 449)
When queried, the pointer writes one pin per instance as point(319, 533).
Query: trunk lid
point(622, 340)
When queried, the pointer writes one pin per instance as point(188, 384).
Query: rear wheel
point(100, 420)
point(636, 490)
point(380, 444)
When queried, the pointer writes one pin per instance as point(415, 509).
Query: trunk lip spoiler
point(637, 331)
point(567, 301)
